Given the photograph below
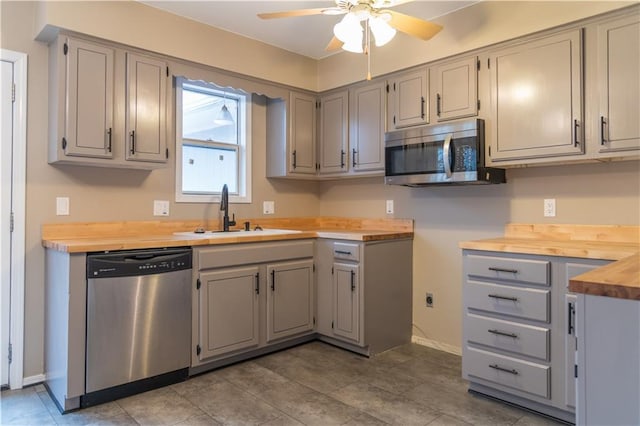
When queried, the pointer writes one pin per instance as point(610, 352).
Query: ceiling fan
point(376, 18)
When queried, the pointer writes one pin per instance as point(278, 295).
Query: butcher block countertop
point(108, 236)
point(609, 242)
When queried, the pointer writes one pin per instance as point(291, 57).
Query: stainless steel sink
point(236, 233)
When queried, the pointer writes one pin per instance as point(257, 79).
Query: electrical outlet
point(62, 206)
point(389, 206)
point(549, 207)
point(268, 207)
point(160, 208)
point(429, 300)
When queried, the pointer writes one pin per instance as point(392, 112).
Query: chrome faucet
point(224, 206)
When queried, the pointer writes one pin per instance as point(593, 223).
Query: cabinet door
point(409, 100)
point(303, 134)
point(536, 96)
point(146, 109)
point(346, 301)
point(289, 299)
point(619, 84)
point(229, 313)
point(456, 89)
point(334, 133)
point(367, 127)
point(89, 91)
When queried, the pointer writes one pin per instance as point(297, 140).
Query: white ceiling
point(305, 35)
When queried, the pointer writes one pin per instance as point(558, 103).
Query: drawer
point(225, 255)
point(508, 336)
point(501, 268)
point(529, 303)
point(346, 251)
point(511, 372)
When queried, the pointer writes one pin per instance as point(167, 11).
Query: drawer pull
point(348, 253)
point(502, 333)
point(497, 296)
point(506, 370)
point(511, 271)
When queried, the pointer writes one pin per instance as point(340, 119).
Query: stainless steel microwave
point(451, 153)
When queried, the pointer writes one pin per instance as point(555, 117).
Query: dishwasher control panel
point(138, 262)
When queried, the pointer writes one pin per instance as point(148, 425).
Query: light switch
point(160, 208)
point(62, 206)
point(268, 207)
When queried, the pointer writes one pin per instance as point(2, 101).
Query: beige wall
point(444, 216)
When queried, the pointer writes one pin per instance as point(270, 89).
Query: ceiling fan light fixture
point(383, 33)
point(224, 117)
point(349, 30)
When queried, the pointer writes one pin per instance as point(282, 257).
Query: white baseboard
point(436, 345)
point(33, 380)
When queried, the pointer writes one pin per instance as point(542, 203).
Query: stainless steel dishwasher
point(138, 322)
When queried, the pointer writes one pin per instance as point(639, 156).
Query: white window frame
point(244, 145)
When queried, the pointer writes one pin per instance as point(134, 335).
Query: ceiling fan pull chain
point(368, 48)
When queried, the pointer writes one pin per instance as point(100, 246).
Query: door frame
point(19, 159)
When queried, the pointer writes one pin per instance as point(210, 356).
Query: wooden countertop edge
point(620, 279)
point(85, 245)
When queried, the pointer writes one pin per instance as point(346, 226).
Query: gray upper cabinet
point(334, 133)
point(455, 89)
point(146, 109)
point(290, 299)
point(107, 106)
point(367, 127)
point(303, 134)
point(408, 103)
point(618, 54)
point(88, 119)
point(229, 310)
point(536, 99)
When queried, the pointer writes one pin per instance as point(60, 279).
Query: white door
point(6, 130)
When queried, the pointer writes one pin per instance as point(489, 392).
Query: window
point(212, 142)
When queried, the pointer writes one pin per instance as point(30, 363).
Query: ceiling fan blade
point(378, 4)
point(300, 12)
point(413, 26)
point(334, 44)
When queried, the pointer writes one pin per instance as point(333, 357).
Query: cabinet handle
point(353, 157)
point(343, 252)
point(570, 311)
point(422, 107)
point(257, 282)
point(133, 142)
point(576, 142)
point(273, 280)
point(603, 122)
point(502, 333)
point(497, 296)
point(342, 154)
point(109, 139)
point(353, 281)
point(438, 99)
point(511, 271)
point(506, 370)
point(295, 158)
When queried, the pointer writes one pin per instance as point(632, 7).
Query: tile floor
point(311, 384)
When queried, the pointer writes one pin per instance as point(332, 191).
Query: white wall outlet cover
point(549, 208)
point(268, 207)
point(389, 208)
point(62, 206)
point(160, 207)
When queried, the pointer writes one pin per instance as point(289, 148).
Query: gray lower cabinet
point(364, 293)
point(518, 328)
point(249, 297)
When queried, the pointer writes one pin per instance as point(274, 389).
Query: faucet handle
point(232, 222)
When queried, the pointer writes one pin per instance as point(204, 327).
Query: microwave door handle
point(446, 157)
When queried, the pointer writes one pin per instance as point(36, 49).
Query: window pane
point(199, 113)
point(206, 169)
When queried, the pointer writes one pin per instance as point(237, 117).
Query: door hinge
point(65, 48)
point(11, 225)
point(478, 104)
point(198, 349)
point(13, 92)
point(575, 370)
point(478, 64)
point(198, 284)
point(10, 354)
point(64, 143)
point(166, 153)
point(167, 71)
